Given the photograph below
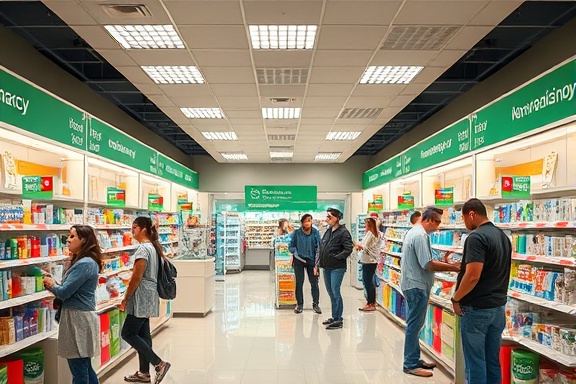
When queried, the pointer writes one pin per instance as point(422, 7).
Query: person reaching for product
point(304, 248)
point(370, 247)
point(78, 330)
point(142, 301)
point(335, 247)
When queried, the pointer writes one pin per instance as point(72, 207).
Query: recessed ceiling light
point(281, 113)
point(327, 156)
point(203, 113)
point(281, 155)
point(283, 36)
point(174, 74)
point(145, 36)
point(220, 135)
point(342, 135)
point(234, 156)
point(397, 74)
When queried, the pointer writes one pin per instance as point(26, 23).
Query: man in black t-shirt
point(481, 293)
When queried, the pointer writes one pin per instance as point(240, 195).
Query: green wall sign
point(116, 197)
point(281, 197)
point(176, 172)
point(543, 101)
point(444, 197)
point(37, 187)
point(515, 187)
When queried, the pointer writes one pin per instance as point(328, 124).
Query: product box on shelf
point(104, 337)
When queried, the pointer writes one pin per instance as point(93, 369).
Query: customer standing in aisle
point(78, 331)
point(141, 301)
point(284, 228)
point(370, 247)
point(416, 281)
point(335, 248)
point(304, 248)
point(481, 294)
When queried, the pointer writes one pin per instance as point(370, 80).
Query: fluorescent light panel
point(397, 74)
point(145, 36)
point(220, 135)
point(283, 155)
point(234, 156)
point(283, 36)
point(203, 113)
point(342, 135)
point(174, 74)
point(327, 156)
point(281, 113)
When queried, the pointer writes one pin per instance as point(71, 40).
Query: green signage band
point(543, 101)
point(281, 197)
point(176, 172)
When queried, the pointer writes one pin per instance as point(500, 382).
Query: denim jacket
point(78, 288)
point(335, 248)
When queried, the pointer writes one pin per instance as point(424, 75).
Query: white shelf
point(110, 304)
point(569, 309)
point(448, 248)
point(170, 242)
point(397, 225)
point(112, 273)
point(445, 276)
point(9, 349)
point(452, 226)
point(393, 266)
point(111, 226)
point(120, 249)
point(35, 227)
point(563, 261)
point(567, 361)
point(537, 225)
point(30, 261)
point(25, 299)
point(395, 254)
point(441, 302)
point(394, 239)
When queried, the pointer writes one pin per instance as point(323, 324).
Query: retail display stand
point(285, 280)
point(259, 243)
point(229, 241)
point(354, 265)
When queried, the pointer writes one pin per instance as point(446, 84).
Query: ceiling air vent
point(360, 113)
point(419, 37)
point(282, 100)
point(281, 137)
point(282, 148)
point(126, 11)
point(279, 76)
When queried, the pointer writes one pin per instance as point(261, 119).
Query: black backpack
point(166, 279)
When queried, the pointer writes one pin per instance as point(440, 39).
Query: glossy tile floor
point(245, 340)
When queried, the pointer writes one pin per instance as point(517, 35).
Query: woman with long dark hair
point(141, 301)
point(370, 247)
point(78, 331)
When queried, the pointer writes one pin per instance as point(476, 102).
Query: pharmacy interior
point(61, 166)
point(517, 155)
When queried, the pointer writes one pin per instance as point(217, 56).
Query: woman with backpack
point(141, 302)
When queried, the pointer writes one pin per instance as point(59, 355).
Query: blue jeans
point(481, 332)
point(416, 306)
point(136, 332)
point(368, 271)
point(333, 280)
point(82, 371)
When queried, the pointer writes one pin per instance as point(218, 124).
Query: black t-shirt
point(490, 246)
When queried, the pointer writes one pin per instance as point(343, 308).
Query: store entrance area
point(245, 340)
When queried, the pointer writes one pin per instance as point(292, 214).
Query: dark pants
point(299, 268)
point(82, 371)
point(368, 272)
point(136, 332)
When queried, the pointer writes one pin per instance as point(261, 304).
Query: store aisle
point(245, 341)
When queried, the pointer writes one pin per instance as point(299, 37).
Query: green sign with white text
point(515, 187)
point(176, 172)
point(37, 187)
point(281, 197)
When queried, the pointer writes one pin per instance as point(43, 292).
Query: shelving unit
point(25, 343)
point(229, 241)
point(355, 267)
point(260, 235)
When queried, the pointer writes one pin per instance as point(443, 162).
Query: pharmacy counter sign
point(281, 197)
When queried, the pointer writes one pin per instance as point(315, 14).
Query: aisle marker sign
point(444, 197)
point(116, 197)
point(515, 187)
point(281, 197)
point(37, 187)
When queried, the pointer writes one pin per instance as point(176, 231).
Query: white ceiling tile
point(185, 90)
point(295, 91)
point(71, 12)
point(215, 36)
point(428, 75)
point(468, 37)
point(229, 75)
point(134, 74)
point(221, 12)
point(378, 89)
point(96, 36)
point(414, 89)
point(238, 102)
point(438, 12)
point(117, 57)
point(194, 102)
point(321, 112)
point(246, 90)
point(283, 12)
point(350, 37)
point(161, 56)
point(339, 122)
point(287, 125)
point(324, 123)
point(330, 89)
point(247, 123)
point(222, 58)
point(401, 101)
point(495, 12)
point(397, 57)
point(360, 12)
point(338, 75)
point(149, 89)
point(161, 101)
point(341, 58)
point(446, 58)
point(326, 101)
point(282, 59)
point(255, 114)
point(368, 102)
point(227, 146)
point(209, 124)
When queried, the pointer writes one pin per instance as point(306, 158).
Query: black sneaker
point(335, 325)
point(316, 309)
point(298, 309)
point(328, 322)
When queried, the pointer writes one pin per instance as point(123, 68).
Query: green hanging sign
point(177, 173)
point(281, 197)
point(37, 187)
point(444, 197)
point(155, 202)
point(116, 197)
point(515, 187)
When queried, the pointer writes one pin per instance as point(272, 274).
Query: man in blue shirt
point(304, 248)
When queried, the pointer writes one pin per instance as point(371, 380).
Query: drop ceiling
point(458, 44)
